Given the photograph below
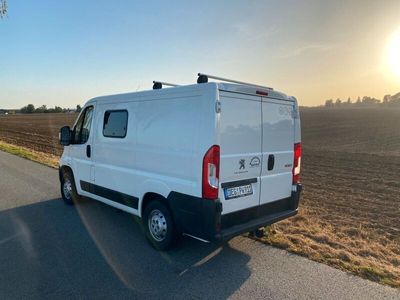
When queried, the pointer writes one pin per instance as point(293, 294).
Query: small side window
point(115, 123)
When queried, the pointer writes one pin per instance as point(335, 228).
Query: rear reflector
point(297, 163)
point(210, 182)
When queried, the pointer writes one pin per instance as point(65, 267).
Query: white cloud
point(312, 47)
point(252, 32)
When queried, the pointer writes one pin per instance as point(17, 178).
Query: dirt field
point(349, 214)
point(38, 132)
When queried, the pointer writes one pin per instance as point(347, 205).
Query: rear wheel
point(159, 226)
point(68, 189)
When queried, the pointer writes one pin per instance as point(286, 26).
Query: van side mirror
point(65, 136)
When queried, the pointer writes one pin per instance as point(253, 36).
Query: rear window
point(115, 123)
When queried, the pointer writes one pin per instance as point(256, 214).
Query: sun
point(393, 53)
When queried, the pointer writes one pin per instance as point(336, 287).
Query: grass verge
point(40, 157)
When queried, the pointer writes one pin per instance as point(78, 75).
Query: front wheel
point(68, 189)
point(159, 226)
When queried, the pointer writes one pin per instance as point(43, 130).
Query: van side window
point(82, 129)
point(115, 123)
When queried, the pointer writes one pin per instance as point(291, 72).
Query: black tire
point(163, 234)
point(68, 188)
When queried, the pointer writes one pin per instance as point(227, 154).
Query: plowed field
point(38, 132)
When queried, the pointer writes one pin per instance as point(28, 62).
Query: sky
point(66, 52)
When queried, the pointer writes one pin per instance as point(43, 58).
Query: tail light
point(297, 163)
point(211, 173)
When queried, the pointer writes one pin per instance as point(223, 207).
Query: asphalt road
point(51, 251)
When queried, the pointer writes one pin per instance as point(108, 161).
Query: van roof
point(229, 87)
point(252, 90)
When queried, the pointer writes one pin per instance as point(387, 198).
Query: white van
point(209, 160)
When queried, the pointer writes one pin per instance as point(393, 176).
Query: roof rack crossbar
point(231, 80)
point(158, 84)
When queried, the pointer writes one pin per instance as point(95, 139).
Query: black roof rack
point(159, 84)
point(203, 78)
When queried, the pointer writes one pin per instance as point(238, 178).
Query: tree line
point(387, 100)
point(30, 109)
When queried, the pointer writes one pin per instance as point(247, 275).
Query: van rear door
point(240, 142)
point(277, 149)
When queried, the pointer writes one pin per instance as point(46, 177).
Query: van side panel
point(166, 132)
point(163, 149)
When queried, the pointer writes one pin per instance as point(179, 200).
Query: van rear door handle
point(88, 151)
point(271, 162)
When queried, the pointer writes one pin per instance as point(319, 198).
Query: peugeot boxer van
point(210, 160)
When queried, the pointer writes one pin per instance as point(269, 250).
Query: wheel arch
point(64, 168)
point(67, 168)
point(151, 196)
point(152, 190)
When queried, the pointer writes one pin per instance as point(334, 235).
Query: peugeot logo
point(241, 163)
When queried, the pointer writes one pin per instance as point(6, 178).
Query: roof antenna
point(157, 85)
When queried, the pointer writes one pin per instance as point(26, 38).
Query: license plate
point(238, 191)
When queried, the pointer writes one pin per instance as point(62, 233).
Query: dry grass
point(40, 157)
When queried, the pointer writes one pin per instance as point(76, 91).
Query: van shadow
point(50, 250)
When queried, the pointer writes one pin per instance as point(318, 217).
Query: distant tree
point(395, 97)
point(391, 100)
point(41, 109)
point(58, 109)
point(78, 108)
point(329, 103)
point(3, 8)
point(369, 100)
point(338, 102)
point(386, 99)
point(358, 100)
point(29, 109)
point(24, 110)
point(349, 100)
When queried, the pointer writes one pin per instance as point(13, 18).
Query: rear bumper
point(203, 219)
point(262, 221)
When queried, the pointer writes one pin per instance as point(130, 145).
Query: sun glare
point(393, 54)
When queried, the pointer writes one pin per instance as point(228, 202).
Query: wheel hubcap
point(157, 225)
point(67, 189)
